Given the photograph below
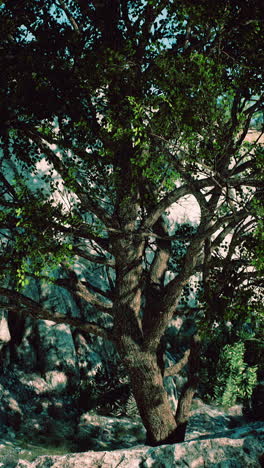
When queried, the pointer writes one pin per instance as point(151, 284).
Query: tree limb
point(79, 288)
point(25, 305)
point(185, 401)
point(82, 231)
point(69, 16)
point(9, 187)
point(246, 181)
point(86, 201)
point(176, 368)
point(93, 258)
point(171, 198)
point(108, 295)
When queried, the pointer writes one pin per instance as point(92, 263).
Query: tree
point(133, 106)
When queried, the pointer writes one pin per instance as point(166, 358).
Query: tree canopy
point(112, 113)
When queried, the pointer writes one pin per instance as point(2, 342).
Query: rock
point(57, 355)
point(116, 441)
point(120, 458)
point(170, 383)
point(222, 452)
point(171, 389)
point(8, 456)
point(88, 360)
point(5, 336)
point(56, 347)
point(23, 464)
point(56, 298)
point(33, 382)
point(10, 411)
point(28, 405)
point(103, 433)
point(205, 419)
point(25, 350)
point(104, 384)
point(56, 380)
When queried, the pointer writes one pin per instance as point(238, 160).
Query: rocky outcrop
point(220, 452)
point(214, 438)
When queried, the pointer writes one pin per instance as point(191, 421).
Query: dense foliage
point(113, 112)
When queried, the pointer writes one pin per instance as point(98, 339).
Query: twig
point(69, 16)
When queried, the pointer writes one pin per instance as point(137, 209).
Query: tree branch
point(108, 295)
point(174, 287)
point(25, 305)
point(163, 252)
point(246, 181)
point(9, 187)
point(176, 368)
point(86, 201)
point(93, 258)
point(171, 198)
point(79, 288)
point(69, 16)
point(185, 401)
point(83, 232)
point(158, 323)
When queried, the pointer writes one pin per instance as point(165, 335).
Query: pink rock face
point(4, 330)
point(252, 136)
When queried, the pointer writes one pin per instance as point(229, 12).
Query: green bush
point(235, 379)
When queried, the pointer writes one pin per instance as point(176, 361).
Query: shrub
point(235, 379)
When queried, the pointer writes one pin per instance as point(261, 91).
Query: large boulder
point(207, 420)
point(214, 439)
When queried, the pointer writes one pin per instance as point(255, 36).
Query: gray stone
point(58, 299)
point(8, 456)
point(205, 419)
point(33, 381)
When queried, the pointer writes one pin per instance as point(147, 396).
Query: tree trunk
point(138, 344)
point(151, 398)
point(185, 401)
point(146, 377)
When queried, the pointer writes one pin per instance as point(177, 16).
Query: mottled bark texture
point(138, 331)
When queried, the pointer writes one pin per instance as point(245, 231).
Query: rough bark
point(138, 337)
point(151, 397)
point(144, 370)
point(185, 401)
